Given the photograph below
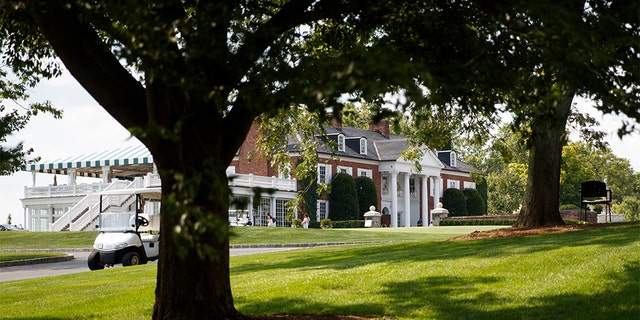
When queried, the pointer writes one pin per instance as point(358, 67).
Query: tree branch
point(83, 53)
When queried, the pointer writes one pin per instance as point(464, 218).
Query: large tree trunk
point(541, 205)
point(193, 270)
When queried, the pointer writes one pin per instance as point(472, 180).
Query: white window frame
point(341, 142)
point(345, 169)
point(319, 214)
point(452, 159)
point(327, 175)
point(385, 185)
point(469, 185)
point(453, 184)
point(363, 145)
point(365, 173)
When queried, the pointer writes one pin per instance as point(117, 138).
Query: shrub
point(475, 204)
point(343, 199)
point(296, 223)
point(630, 207)
point(348, 224)
point(454, 201)
point(481, 186)
point(326, 224)
point(367, 194)
point(569, 207)
point(309, 189)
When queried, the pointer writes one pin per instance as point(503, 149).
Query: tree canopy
point(189, 79)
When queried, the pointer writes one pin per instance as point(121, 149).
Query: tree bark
point(541, 204)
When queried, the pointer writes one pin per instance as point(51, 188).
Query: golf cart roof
point(147, 193)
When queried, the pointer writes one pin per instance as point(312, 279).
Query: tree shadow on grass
point(352, 256)
point(301, 305)
point(453, 297)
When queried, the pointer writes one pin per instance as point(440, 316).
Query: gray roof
point(379, 146)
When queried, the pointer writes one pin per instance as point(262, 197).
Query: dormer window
point(341, 142)
point(363, 145)
point(452, 159)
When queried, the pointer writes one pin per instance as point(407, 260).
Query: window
point(281, 212)
point(469, 184)
point(363, 145)
point(453, 160)
point(453, 184)
point(365, 173)
point(265, 206)
point(322, 209)
point(341, 142)
point(412, 187)
point(347, 170)
point(324, 173)
point(385, 185)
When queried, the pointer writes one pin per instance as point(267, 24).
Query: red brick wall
point(258, 164)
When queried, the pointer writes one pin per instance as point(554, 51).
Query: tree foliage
point(454, 200)
point(189, 79)
point(475, 204)
point(367, 195)
point(343, 199)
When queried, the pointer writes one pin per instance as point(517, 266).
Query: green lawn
point(11, 256)
point(591, 274)
point(247, 236)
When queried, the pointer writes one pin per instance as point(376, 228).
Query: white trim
point(345, 169)
point(341, 142)
point(363, 145)
point(365, 173)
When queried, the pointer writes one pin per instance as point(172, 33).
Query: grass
point(12, 256)
point(246, 236)
point(590, 274)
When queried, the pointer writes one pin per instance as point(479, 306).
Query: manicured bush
point(326, 224)
point(309, 189)
point(569, 207)
point(475, 204)
point(483, 189)
point(348, 224)
point(343, 199)
point(454, 201)
point(367, 194)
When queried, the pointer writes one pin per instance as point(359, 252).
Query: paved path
point(79, 264)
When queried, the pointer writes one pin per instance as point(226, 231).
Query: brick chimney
point(381, 127)
point(335, 122)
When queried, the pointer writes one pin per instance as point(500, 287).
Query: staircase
point(84, 214)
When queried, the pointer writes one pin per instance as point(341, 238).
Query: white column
point(436, 194)
point(106, 170)
point(394, 199)
point(407, 200)
point(33, 179)
point(425, 202)
point(71, 177)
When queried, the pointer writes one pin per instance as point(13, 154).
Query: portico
point(408, 189)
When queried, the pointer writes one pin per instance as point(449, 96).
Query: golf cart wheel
point(94, 261)
point(130, 258)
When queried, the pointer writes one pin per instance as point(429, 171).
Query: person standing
point(270, 222)
point(306, 221)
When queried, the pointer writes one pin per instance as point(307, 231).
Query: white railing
point(93, 211)
point(251, 181)
point(63, 190)
point(83, 204)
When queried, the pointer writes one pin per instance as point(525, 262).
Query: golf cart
point(129, 225)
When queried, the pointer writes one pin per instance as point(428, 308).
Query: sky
point(86, 127)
